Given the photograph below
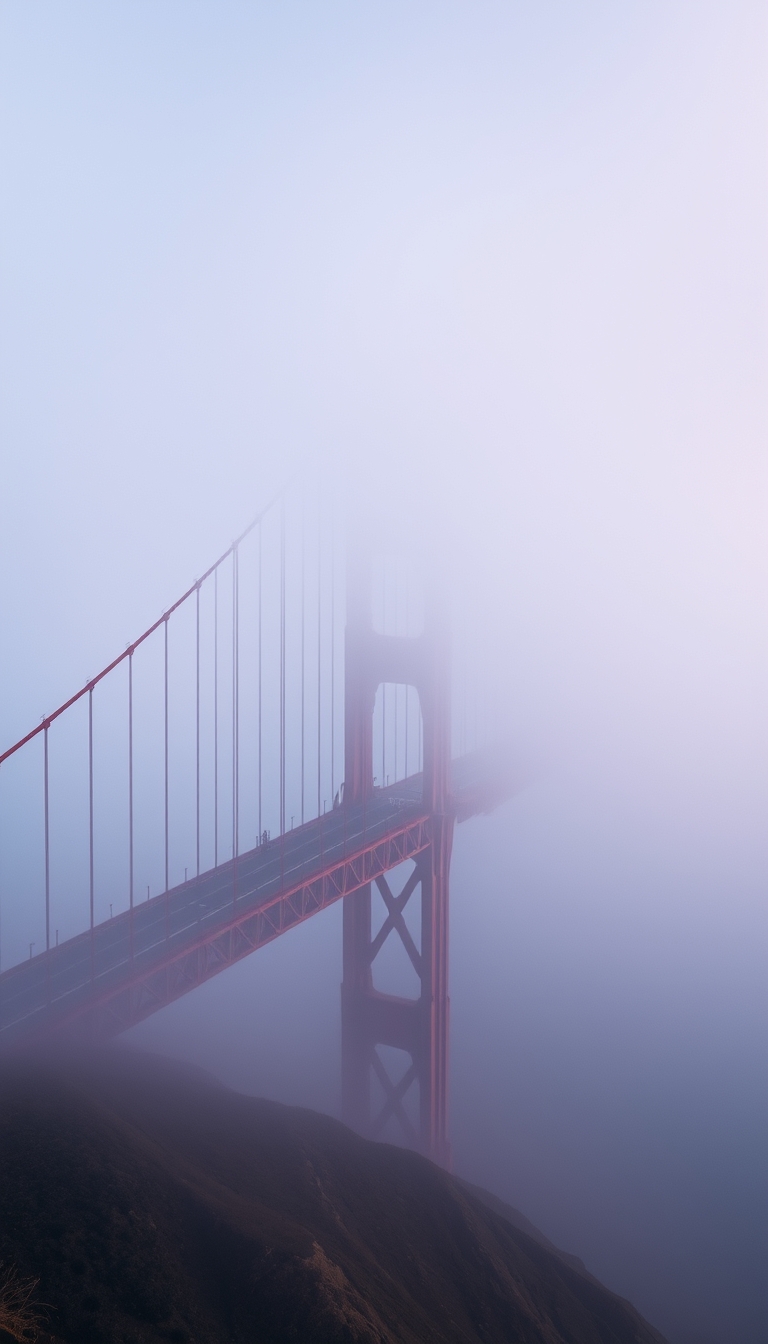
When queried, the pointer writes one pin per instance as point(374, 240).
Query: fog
point(497, 274)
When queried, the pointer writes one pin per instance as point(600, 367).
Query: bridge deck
point(130, 966)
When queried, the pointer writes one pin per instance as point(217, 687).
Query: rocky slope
point(154, 1205)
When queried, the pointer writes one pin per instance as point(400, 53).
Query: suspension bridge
point(285, 735)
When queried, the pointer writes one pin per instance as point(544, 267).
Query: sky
point(499, 272)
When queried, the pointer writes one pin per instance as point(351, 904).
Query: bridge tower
point(370, 1018)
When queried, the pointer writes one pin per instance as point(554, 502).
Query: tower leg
point(356, 987)
point(434, 1003)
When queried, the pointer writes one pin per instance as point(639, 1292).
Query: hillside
point(154, 1205)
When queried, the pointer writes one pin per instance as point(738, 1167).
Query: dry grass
point(20, 1314)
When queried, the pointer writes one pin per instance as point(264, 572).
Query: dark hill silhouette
point(154, 1205)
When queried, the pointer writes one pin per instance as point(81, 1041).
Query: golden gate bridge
point(285, 735)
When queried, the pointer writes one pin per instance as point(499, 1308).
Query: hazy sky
point(504, 266)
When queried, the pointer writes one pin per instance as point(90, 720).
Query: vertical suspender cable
point(165, 734)
point(130, 779)
point(165, 678)
point(333, 656)
point(420, 743)
point(479, 709)
point(461, 733)
point(407, 688)
point(303, 608)
point(397, 687)
point(130, 794)
point(90, 824)
point(478, 703)
point(475, 731)
point(47, 844)
point(282, 666)
point(216, 718)
point(384, 684)
point(260, 830)
point(235, 705)
point(319, 652)
point(464, 708)
point(197, 730)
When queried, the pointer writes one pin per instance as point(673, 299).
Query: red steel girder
point(113, 1010)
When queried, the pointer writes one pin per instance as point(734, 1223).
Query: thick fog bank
point(496, 278)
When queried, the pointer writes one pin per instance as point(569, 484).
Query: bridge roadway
point(191, 926)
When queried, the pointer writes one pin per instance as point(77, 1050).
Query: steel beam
point(134, 992)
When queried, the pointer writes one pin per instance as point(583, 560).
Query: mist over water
point(499, 277)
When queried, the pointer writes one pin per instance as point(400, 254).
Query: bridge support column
point(356, 989)
point(370, 1018)
point(434, 1003)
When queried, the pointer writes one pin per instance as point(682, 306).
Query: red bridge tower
point(370, 1018)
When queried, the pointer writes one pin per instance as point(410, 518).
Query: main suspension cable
point(49, 718)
